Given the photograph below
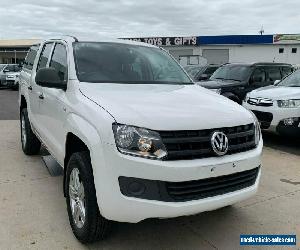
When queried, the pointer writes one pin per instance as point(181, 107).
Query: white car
point(277, 107)
point(10, 75)
point(136, 137)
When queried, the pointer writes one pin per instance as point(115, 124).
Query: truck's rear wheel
point(30, 143)
point(85, 219)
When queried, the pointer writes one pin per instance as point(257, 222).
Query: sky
point(141, 18)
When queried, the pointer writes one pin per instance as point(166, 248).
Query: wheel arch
point(73, 145)
point(81, 136)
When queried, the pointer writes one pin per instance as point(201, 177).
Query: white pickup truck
point(135, 136)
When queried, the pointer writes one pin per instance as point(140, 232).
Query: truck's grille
point(196, 144)
point(199, 189)
point(265, 118)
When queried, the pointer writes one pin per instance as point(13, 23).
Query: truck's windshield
point(124, 63)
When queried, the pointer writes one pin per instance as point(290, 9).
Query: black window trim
point(51, 56)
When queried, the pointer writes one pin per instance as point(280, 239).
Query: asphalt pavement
point(9, 104)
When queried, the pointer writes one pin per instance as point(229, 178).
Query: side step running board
point(53, 167)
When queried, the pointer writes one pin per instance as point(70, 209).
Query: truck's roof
point(103, 40)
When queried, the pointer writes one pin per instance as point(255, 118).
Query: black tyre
point(30, 143)
point(85, 219)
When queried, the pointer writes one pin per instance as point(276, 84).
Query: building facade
point(284, 48)
point(14, 51)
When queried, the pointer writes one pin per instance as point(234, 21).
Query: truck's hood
point(276, 92)
point(215, 84)
point(166, 107)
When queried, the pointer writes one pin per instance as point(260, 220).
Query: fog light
point(136, 188)
point(289, 121)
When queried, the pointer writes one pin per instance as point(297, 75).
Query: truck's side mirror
point(49, 78)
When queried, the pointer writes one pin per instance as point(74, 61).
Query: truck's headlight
point(289, 103)
point(256, 128)
point(138, 142)
point(257, 132)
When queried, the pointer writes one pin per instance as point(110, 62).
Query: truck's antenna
point(262, 31)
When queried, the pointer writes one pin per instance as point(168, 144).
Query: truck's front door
point(53, 105)
point(35, 92)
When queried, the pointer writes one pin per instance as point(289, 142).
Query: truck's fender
point(89, 135)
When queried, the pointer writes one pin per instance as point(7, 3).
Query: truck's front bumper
point(116, 206)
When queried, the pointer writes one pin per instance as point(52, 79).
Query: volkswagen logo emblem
point(219, 143)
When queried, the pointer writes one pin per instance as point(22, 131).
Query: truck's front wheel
point(30, 143)
point(85, 219)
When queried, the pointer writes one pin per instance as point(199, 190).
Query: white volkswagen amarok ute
point(135, 136)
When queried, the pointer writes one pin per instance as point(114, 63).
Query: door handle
point(41, 96)
point(29, 87)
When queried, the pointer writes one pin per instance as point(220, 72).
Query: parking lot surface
point(8, 104)
point(33, 211)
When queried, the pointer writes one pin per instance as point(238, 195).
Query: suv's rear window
point(126, 63)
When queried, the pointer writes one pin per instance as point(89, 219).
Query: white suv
point(277, 107)
point(136, 138)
